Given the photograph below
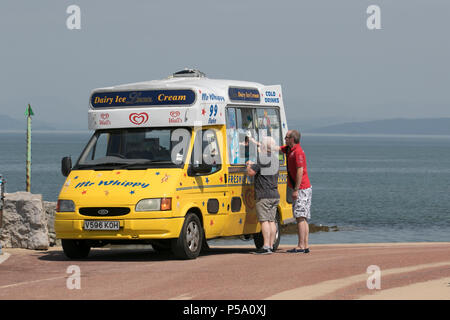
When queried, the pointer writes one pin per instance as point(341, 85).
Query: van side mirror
point(66, 166)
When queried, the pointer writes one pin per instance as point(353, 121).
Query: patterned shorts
point(302, 206)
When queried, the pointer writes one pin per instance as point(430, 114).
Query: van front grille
point(104, 211)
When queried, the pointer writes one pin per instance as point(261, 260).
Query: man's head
point(268, 144)
point(269, 155)
point(292, 138)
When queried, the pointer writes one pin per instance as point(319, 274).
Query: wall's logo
point(175, 117)
point(138, 118)
point(104, 119)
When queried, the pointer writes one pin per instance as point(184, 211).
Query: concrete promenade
point(337, 272)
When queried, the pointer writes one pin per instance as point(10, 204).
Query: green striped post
point(29, 113)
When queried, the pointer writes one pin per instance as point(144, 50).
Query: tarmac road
point(402, 271)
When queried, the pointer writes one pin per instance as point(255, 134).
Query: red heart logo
point(104, 116)
point(138, 118)
point(174, 114)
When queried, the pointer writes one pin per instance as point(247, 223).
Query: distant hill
point(430, 126)
point(9, 123)
point(437, 126)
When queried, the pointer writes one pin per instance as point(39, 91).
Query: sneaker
point(263, 251)
point(295, 250)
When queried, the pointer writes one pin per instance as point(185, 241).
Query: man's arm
point(298, 181)
point(275, 147)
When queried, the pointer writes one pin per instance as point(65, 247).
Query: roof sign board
point(244, 94)
point(108, 99)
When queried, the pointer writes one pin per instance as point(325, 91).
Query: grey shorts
point(266, 209)
point(302, 206)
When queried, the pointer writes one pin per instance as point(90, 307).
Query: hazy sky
point(331, 66)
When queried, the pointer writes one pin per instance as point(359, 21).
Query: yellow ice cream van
point(166, 165)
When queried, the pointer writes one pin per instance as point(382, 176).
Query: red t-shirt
point(296, 159)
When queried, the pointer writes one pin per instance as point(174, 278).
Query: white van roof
point(186, 98)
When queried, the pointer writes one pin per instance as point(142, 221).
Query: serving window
point(247, 124)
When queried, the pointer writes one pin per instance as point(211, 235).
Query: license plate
point(101, 225)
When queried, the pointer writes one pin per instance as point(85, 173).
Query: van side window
point(232, 136)
point(241, 126)
point(268, 123)
point(205, 152)
point(246, 124)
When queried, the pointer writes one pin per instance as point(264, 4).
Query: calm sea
point(373, 188)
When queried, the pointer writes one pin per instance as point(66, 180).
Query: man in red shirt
point(298, 180)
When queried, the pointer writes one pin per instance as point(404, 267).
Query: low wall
point(27, 222)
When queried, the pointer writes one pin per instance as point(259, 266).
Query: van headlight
point(158, 204)
point(65, 206)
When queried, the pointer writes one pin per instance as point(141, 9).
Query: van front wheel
point(189, 243)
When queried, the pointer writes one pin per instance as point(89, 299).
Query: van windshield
point(135, 149)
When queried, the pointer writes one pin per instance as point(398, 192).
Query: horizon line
point(306, 133)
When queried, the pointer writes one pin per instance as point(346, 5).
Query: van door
point(206, 167)
point(240, 132)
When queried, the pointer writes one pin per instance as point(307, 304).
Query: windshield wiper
point(136, 163)
point(143, 164)
point(104, 164)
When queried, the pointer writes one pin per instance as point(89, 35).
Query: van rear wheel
point(75, 249)
point(189, 243)
point(259, 239)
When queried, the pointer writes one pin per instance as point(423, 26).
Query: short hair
point(268, 143)
point(296, 135)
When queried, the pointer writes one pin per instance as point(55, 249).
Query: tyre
point(189, 243)
point(259, 240)
point(75, 249)
point(205, 245)
point(276, 243)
